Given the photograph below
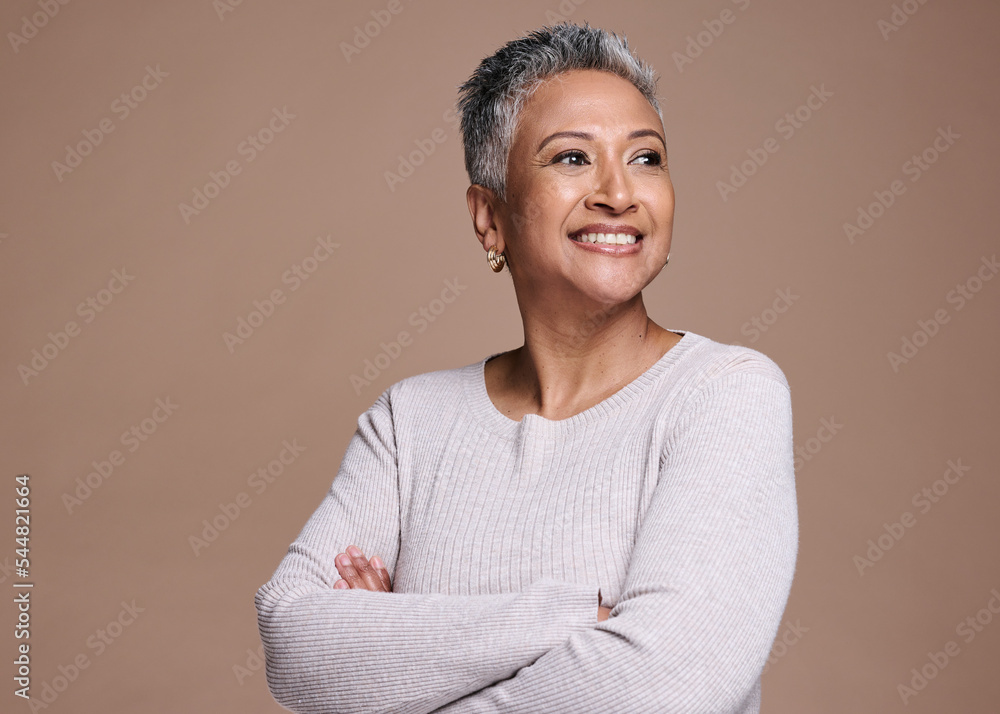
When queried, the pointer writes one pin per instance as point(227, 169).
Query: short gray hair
point(491, 99)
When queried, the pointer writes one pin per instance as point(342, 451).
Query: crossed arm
point(357, 572)
point(708, 579)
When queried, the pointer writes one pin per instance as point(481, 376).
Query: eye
point(653, 157)
point(561, 158)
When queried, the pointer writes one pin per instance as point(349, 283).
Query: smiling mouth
point(606, 238)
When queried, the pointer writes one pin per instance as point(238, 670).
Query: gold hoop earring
point(496, 260)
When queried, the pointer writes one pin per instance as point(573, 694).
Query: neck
point(568, 365)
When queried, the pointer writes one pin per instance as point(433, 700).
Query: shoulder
point(730, 389)
point(715, 378)
point(712, 362)
point(427, 392)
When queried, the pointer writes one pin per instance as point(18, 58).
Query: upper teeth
point(612, 238)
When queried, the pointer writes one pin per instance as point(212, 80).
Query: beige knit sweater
point(674, 498)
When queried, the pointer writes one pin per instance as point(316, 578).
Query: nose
point(613, 189)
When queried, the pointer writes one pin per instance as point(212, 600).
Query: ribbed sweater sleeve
point(330, 650)
point(708, 579)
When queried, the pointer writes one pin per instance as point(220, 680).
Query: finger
point(383, 574)
point(341, 585)
point(365, 571)
point(345, 566)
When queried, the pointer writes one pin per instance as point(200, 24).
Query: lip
point(607, 228)
point(604, 248)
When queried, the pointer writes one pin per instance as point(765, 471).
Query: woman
point(602, 520)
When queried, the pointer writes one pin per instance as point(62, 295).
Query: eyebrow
point(589, 137)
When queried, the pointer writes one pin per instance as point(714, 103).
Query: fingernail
point(340, 584)
point(354, 551)
point(377, 562)
point(343, 559)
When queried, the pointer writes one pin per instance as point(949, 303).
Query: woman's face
point(588, 156)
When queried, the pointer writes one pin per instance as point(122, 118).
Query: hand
point(602, 612)
point(358, 573)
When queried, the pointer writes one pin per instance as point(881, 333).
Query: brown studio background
point(856, 636)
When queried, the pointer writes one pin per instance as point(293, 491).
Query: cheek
point(545, 207)
point(661, 204)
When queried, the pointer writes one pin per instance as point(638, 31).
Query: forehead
point(588, 100)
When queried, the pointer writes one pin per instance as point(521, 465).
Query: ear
point(483, 204)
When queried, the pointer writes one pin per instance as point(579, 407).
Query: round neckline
point(487, 412)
